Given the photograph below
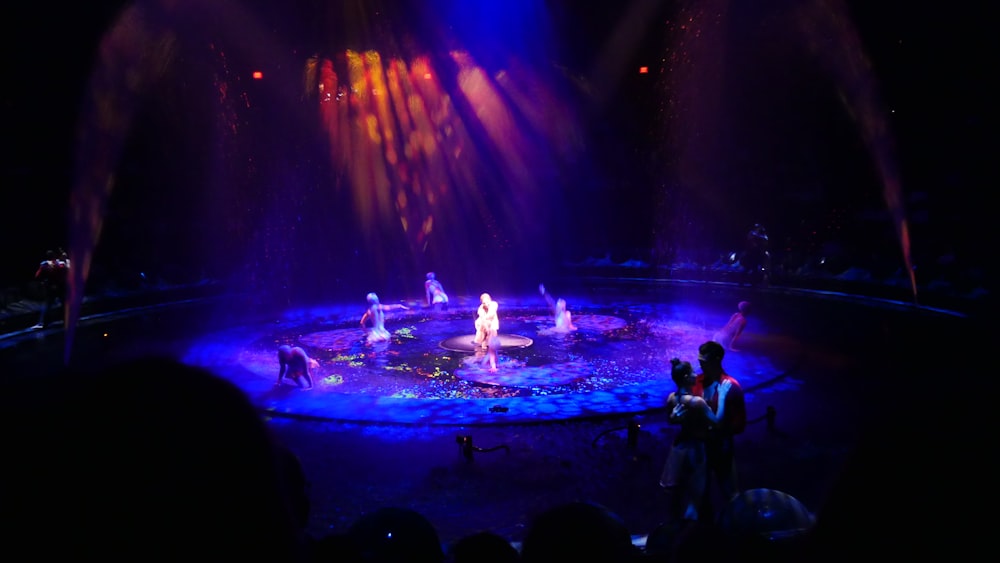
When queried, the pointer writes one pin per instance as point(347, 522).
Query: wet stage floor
point(616, 362)
point(382, 425)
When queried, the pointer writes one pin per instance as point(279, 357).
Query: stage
point(566, 416)
point(616, 362)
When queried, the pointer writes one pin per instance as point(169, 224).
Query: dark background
point(931, 64)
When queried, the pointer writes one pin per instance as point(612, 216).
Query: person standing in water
point(487, 321)
point(563, 318)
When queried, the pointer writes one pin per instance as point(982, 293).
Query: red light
point(257, 75)
point(644, 70)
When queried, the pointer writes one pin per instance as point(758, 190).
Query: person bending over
point(295, 364)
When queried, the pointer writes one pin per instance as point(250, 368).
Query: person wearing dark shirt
point(52, 275)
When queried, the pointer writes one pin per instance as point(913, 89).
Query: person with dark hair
point(685, 472)
point(395, 535)
point(484, 547)
point(149, 459)
point(294, 363)
point(720, 442)
point(578, 531)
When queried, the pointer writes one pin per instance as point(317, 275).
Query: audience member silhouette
point(719, 442)
point(396, 535)
point(483, 547)
point(336, 547)
point(765, 525)
point(150, 459)
point(295, 491)
point(578, 531)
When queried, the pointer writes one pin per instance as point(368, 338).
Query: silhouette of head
point(484, 547)
point(394, 534)
point(578, 531)
point(710, 358)
point(155, 458)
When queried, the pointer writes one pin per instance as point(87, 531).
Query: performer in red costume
point(719, 443)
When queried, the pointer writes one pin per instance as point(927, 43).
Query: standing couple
point(711, 411)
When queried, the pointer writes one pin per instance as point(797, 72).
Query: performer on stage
point(728, 334)
point(487, 321)
point(376, 314)
point(563, 318)
point(294, 364)
point(435, 292)
point(52, 276)
point(492, 350)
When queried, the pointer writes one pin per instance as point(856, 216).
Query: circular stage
point(467, 343)
point(615, 363)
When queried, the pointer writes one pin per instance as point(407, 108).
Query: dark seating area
point(476, 281)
